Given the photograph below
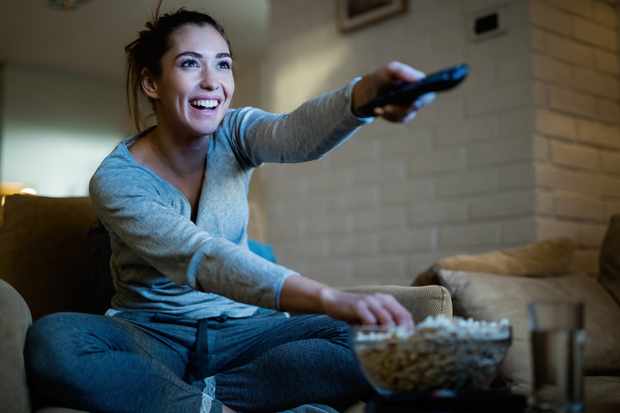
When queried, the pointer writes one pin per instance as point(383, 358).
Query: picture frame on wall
point(355, 14)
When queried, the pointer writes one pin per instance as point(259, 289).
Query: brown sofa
point(500, 284)
point(53, 258)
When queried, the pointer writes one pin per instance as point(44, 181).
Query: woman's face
point(196, 84)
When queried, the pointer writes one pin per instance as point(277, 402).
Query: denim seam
point(206, 404)
point(210, 386)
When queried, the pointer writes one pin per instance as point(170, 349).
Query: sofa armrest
point(420, 301)
point(15, 318)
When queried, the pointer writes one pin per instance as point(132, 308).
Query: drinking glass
point(557, 338)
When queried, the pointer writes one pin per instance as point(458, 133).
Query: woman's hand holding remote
point(385, 78)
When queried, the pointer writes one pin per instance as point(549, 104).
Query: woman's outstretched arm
point(318, 125)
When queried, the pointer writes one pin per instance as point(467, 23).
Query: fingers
point(364, 313)
point(395, 113)
point(401, 315)
point(368, 309)
point(383, 309)
point(376, 304)
point(393, 73)
point(397, 71)
point(404, 114)
point(425, 100)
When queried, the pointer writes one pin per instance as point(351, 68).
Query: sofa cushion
point(420, 301)
point(610, 259)
point(602, 394)
point(14, 322)
point(490, 297)
point(100, 276)
point(44, 251)
point(544, 258)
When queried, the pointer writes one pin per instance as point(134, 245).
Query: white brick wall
point(555, 124)
point(590, 32)
point(576, 59)
point(598, 134)
point(518, 231)
point(527, 148)
point(551, 18)
point(603, 13)
point(577, 7)
point(606, 62)
point(567, 49)
point(576, 156)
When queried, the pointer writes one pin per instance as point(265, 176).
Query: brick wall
point(576, 66)
point(489, 165)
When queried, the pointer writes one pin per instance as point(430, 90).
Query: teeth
point(205, 103)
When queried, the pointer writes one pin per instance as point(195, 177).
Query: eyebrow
point(220, 55)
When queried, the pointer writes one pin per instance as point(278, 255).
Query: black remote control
point(408, 92)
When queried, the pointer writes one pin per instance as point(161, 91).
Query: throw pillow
point(544, 258)
point(610, 259)
point(490, 297)
point(101, 285)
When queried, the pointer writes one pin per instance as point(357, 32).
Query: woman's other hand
point(301, 294)
point(383, 79)
point(369, 309)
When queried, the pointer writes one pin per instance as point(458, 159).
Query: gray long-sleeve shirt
point(161, 260)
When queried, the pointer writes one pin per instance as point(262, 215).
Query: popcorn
point(439, 353)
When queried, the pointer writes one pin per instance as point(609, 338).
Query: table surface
point(447, 402)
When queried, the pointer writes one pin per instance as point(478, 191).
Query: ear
point(149, 85)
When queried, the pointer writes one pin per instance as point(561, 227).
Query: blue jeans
point(149, 362)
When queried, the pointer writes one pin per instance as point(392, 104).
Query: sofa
point(500, 284)
point(54, 257)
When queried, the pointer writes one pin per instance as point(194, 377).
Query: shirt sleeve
point(308, 133)
point(129, 206)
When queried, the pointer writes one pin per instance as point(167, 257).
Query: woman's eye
point(189, 63)
point(224, 65)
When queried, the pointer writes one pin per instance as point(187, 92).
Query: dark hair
point(147, 50)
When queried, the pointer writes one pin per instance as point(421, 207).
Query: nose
point(209, 80)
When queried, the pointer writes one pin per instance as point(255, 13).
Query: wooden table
point(496, 401)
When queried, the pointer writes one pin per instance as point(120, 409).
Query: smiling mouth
point(204, 104)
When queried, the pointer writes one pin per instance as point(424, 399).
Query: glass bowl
point(440, 353)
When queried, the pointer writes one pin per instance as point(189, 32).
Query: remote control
point(408, 92)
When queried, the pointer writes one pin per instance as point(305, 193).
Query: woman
point(198, 322)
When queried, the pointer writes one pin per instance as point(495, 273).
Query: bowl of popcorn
point(439, 353)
